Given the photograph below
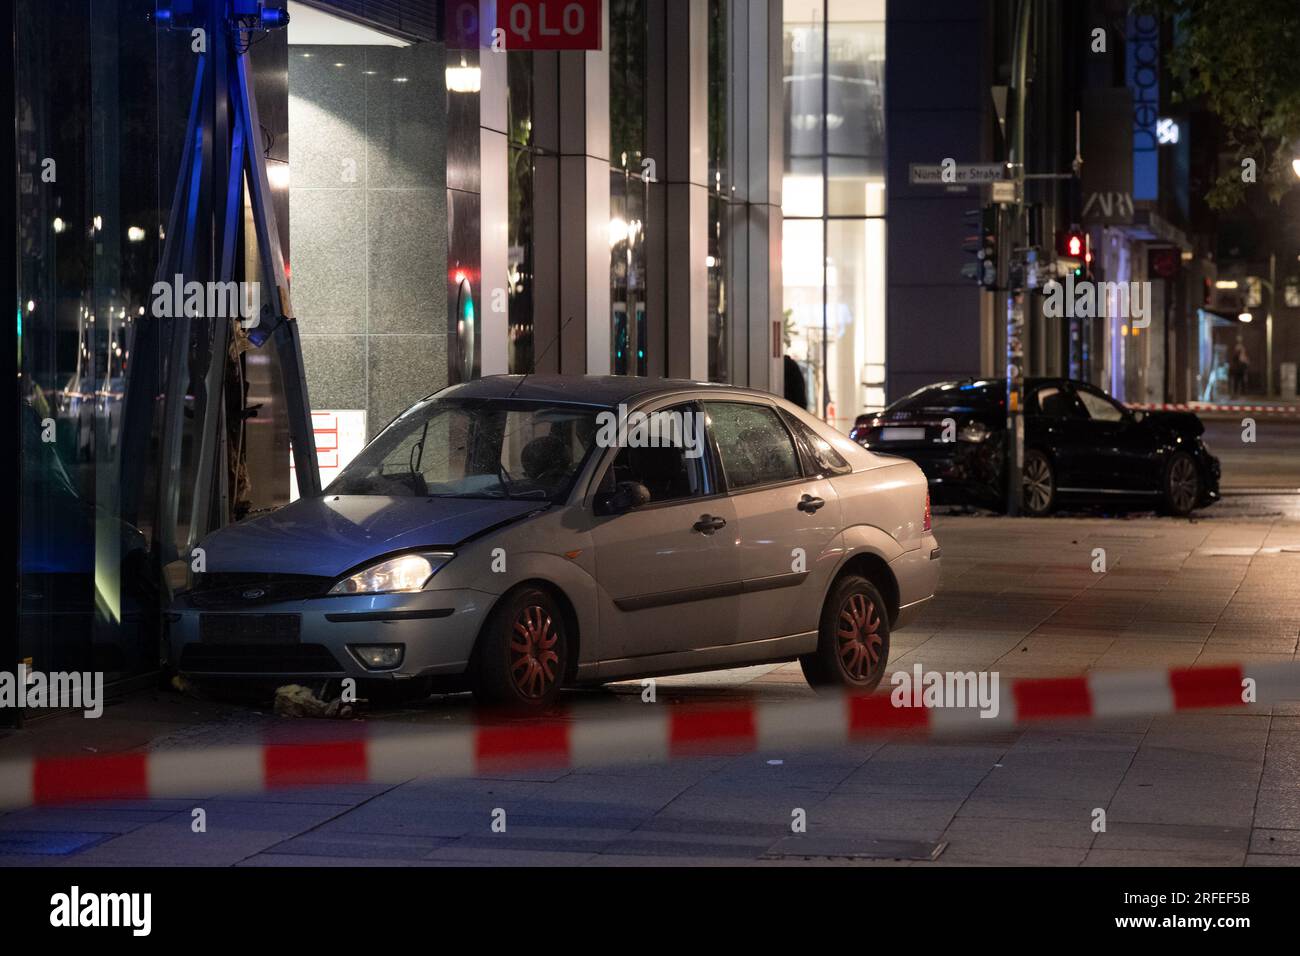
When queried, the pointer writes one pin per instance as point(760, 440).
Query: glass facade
point(97, 133)
point(385, 158)
point(720, 189)
point(522, 175)
point(833, 202)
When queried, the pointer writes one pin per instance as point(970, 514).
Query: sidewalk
point(1017, 596)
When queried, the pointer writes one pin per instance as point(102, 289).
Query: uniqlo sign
point(549, 24)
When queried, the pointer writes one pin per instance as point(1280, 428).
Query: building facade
point(446, 205)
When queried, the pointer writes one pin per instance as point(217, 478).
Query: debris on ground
point(294, 700)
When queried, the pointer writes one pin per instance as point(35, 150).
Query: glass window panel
point(519, 97)
point(801, 276)
point(90, 96)
point(627, 82)
point(755, 447)
point(627, 272)
point(855, 119)
point(855, 317)
point(802, 80)
point(519, 260)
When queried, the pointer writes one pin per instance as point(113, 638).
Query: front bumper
point(313, 638)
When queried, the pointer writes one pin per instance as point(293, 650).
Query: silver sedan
point(518, 534)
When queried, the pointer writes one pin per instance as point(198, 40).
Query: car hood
point(329, 535)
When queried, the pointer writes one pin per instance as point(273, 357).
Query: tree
point(1241, 61)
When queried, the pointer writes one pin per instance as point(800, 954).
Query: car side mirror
point(625, 496)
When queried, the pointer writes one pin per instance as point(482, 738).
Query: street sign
point(959, 174)
point(1003, 191)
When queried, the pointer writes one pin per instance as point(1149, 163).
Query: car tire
point(1182, 485)
point(1039, 484)
point(852, 639)
point(522, 654)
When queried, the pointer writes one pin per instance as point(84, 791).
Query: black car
point(1081, 446)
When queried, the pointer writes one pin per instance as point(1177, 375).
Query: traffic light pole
point(1012, 240)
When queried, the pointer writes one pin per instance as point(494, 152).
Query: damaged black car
point(1081, 447)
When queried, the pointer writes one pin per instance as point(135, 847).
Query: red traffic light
point(1071, 244)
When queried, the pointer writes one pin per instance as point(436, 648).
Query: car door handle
point(709, 524)
point(809, 503)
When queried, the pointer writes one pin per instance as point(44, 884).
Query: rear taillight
point(926, 525)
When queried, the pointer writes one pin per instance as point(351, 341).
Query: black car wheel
point(853, 639)
point(1039, 484)
point(523, 653)
point(1182, 488)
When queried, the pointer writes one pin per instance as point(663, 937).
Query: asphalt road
point(1271, 461)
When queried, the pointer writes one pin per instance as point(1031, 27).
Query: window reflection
point(629, 187)
point(833, 202)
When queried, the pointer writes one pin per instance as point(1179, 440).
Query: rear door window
point(755, 447)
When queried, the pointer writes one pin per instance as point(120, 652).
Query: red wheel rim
point(534, 663)
point(859, 636)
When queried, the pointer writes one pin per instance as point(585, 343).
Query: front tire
point(1182, 486)
point(523, 652)
point(1039, 483)
point(852, 640)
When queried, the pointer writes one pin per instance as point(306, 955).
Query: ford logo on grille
point(252, 594)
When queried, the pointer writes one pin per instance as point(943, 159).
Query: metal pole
point(276, 304)
point(1268, 323)
point(1012, 241)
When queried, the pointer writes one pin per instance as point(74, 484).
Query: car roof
point(601, 390)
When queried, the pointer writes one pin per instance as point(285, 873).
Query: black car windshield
point(474, 448)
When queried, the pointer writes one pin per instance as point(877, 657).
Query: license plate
point(249, 628)
point(902, 434)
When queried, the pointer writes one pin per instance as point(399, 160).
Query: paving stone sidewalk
point(1017, 596)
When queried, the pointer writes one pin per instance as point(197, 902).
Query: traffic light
point(982, 242)
point(1073, 244)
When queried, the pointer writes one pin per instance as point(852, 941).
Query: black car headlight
point(406, 572)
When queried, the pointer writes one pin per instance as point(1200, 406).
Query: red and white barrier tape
point(1210, 407)
point(651, 733)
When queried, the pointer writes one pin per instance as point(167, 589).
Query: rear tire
point(852, 640)
point(1039, 484)
point(522, 654)
point(1182, 485)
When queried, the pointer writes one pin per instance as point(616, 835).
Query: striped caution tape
point(650, 733)
point(1211, 407)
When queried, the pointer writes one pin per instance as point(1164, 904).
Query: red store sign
point(550, 24)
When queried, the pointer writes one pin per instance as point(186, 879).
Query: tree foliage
point(1240, 59)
